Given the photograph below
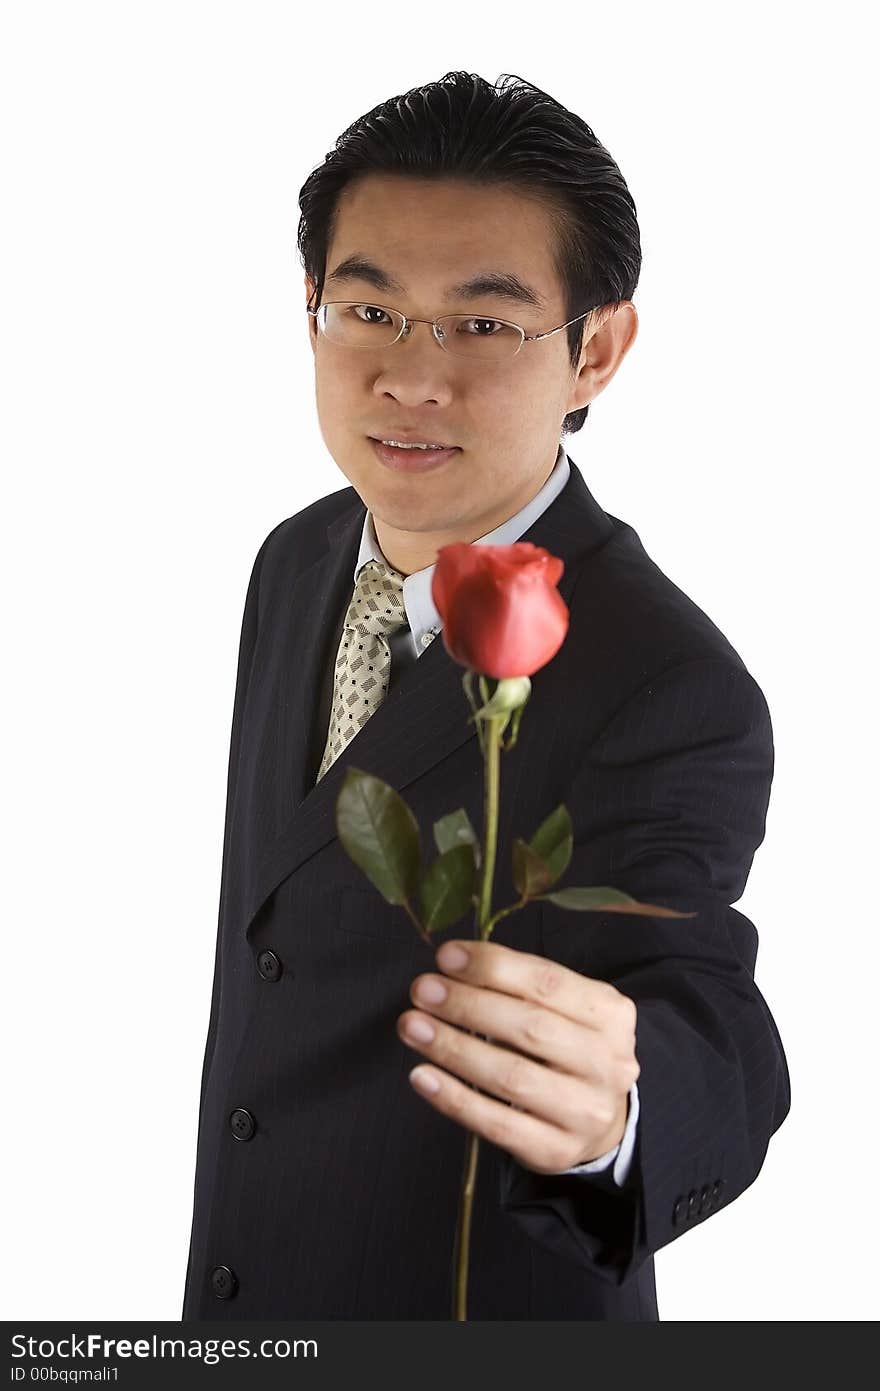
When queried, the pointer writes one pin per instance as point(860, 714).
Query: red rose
point(502, 613)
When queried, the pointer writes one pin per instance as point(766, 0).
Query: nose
point(410, 327)
point(410, 376)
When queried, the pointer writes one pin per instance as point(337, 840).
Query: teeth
point(414, 446)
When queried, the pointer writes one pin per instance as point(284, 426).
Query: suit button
point(676, 1212)
point(717, 1189)
point(268, 965)
point(693, 1198)
point(223, 1282)
point(242, 1123)
point(705, 1200)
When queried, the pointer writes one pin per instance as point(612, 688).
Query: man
point(630, 1074)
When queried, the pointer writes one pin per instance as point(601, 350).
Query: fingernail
point(425, 1081)
point(419, 1029)
point(452, 957)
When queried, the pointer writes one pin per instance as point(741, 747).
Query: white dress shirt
point(407, 644)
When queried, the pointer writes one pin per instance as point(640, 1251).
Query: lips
point(410, 439)
point(411, 460)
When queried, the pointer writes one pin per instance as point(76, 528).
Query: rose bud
point(502, 613)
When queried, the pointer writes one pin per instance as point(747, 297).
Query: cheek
point(510, 403)
point(337, 408)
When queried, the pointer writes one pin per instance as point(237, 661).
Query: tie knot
point(377, 602)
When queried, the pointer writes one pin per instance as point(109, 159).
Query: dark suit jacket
point(325, 1187)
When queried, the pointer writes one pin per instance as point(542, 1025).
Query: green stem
point(491, 762)
point(503, 912)
point(425, 936)
point(463, 1227)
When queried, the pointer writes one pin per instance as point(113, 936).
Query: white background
point(159, 419)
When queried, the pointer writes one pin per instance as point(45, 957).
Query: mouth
point(413, 460)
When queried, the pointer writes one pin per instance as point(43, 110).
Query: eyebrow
point(501, 284)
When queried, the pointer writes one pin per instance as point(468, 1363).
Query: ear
point(603, 352)
point(312, 323)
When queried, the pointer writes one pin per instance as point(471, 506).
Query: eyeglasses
point(496, 340)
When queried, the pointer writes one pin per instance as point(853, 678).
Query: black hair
point(511, 134)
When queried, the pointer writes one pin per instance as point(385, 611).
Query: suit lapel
point(423, 719)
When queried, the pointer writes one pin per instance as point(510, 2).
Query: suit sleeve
point(670, 806)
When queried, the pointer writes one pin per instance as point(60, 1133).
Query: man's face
point(505, 417)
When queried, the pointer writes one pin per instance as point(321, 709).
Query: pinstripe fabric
point(649, 728)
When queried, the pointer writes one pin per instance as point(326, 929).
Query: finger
point(589, 1002)
point(530, 1029)
point(571, 1104)
point(533, 1143)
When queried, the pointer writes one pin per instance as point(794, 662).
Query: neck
point(410, 551)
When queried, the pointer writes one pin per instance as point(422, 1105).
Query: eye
point(496, 322)
point(374, 308)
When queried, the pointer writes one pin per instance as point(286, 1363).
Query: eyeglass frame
point(408, 324)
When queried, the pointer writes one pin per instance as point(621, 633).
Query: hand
point(564, 1077)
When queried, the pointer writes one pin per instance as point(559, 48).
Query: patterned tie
point(363, 662)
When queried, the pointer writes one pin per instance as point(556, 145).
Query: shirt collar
point(421, 613)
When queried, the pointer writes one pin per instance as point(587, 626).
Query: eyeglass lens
point(464, 335)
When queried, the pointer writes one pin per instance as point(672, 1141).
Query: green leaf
point(447, 887)
point(380, 833)
point(609, 901)
point(553, 841)
point(456, 829)
point(530, 873)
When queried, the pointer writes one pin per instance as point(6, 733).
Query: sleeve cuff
point(621, 1155)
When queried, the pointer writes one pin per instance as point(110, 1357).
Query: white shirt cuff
point(621, 1155)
